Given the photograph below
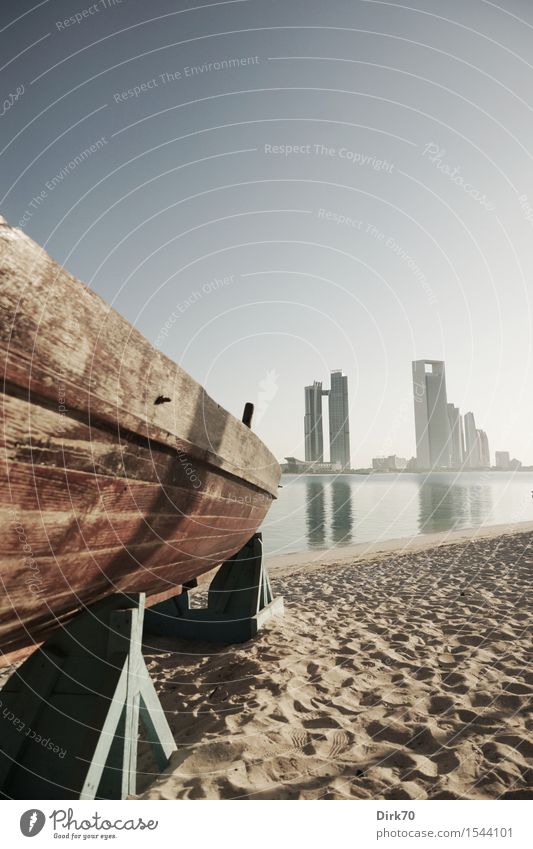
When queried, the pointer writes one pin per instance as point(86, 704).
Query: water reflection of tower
point(315, 512)
point(342, 518)
point(479, 497)
point(444, 506)
point(441, 506)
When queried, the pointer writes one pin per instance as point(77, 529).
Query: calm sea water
point(326, 511)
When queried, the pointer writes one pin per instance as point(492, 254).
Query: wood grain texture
point(102, 489)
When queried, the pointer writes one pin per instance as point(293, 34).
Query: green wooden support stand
point(69, 715)
point(240, 601)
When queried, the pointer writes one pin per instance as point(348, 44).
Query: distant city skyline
point(444, 438)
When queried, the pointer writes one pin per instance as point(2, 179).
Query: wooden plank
point(136, 664)
point(108, 734)
point(34, 488)
point(153, 718)
point(45, 437)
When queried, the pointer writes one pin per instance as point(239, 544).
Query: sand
point(400, 674)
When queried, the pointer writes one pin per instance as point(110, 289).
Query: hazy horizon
point(272, 192)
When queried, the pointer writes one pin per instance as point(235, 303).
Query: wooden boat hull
point(102, 488)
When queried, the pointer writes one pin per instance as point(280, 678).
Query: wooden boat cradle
point(82, 692)
point(240, 601)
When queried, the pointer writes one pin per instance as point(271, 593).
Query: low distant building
point(298, 467)
point(515, 464)
point(503, 459)
point(392, 463)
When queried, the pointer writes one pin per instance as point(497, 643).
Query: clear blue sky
point(217, 200)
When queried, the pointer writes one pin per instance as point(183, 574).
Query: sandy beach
point(398, 672)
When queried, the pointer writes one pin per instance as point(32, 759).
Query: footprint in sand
point(447, 761)
point(422, 740)
point(482, 699)
point(440, 704)
point(390, 733)
point(312, 669)
point(508, 701)
point(514, 742)
point(370, 699)
point(300, 739)
point(517, 794)
point(424, 673)
point(517, 688)
point(468, 716)
point(400, 759)
point(339, 743)
point(454, 679)
point(321, 722)
point(472, 639)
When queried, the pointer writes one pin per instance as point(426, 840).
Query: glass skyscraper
point(314, 439)
point(433, 444)
point(339, 424)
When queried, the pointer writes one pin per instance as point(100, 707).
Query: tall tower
point(484, 452)
point(472, 454)
point(314, 439)
point(339, 424)
point(456, 437)
point(431, 414)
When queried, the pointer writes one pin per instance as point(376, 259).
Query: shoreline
point(344, 555)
